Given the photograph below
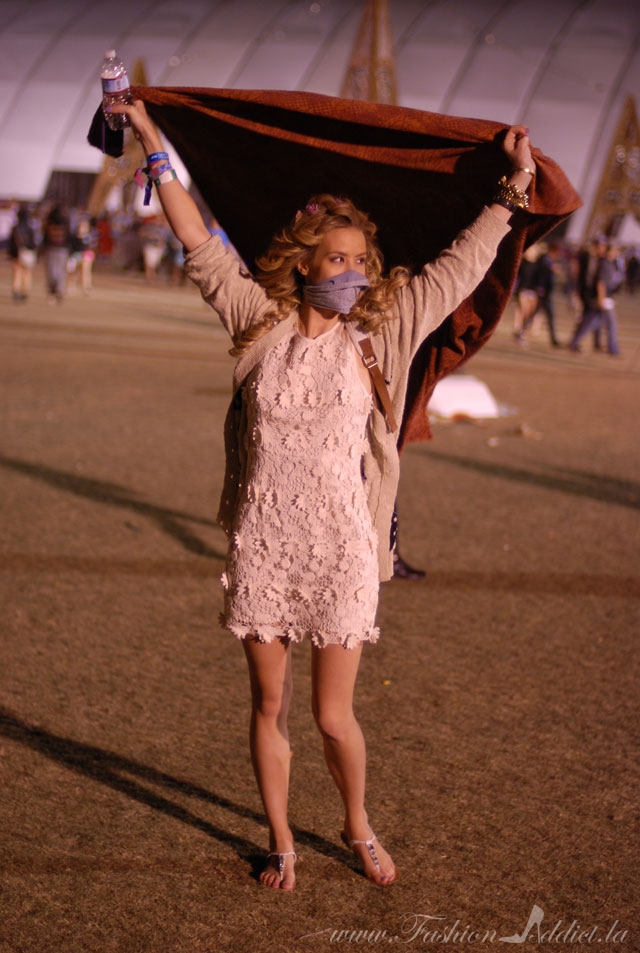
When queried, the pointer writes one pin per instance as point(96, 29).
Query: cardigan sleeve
point(226, 285)
point(445, 282)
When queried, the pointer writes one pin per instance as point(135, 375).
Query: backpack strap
point(363, 345)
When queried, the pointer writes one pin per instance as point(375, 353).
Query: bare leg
point(86, 266)
point(26, 281)
point(16, 281)
point(334, 671)
point(271, 684)
point(529, 309)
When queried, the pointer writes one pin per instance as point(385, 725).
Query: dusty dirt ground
point(500, 706)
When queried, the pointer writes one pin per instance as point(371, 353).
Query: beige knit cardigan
point(420, 308)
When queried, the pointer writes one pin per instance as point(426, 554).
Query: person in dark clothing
point(526, 298)
point(401, 569)
point(57, 245)
point(633, 271)
point(542, 283)
point(598, 280)
point(81, 258)
point(22, 251)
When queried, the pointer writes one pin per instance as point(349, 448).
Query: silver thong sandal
point(352, 844)
point(281, 861)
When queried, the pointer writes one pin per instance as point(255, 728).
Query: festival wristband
point(158, 170)
point(167, 176)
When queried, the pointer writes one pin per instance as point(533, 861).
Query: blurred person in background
point(598, 281)
point(23, 254)
point(153, 236)
point(542, 285)
point(526, 298)
point(81, 257)
point(104, 250)
point(57, 246)
point(632, 271)
point(7, 221)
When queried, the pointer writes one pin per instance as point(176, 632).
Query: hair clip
point(311, 209)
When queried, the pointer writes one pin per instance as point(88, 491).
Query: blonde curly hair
point(295, 245)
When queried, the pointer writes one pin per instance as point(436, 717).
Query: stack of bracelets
point(158, 171)
point(509, 195)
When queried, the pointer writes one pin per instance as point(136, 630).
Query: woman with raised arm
point(312, 462)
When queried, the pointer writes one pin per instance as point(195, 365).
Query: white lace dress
point(303, 555)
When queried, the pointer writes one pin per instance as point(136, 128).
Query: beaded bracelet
point(510, 196)
point(505, 203)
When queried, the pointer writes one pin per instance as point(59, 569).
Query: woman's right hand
point(141, 125)
point(180, 209)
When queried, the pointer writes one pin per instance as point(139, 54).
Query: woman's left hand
point(517, 147)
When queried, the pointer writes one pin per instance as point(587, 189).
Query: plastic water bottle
point(115, 89)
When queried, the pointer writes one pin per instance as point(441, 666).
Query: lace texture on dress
point(302, 560)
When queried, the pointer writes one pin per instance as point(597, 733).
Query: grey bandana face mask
point(336, 294)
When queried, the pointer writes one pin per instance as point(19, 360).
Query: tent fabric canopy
point(258, 155)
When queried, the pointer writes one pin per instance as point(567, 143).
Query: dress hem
point(269, 633)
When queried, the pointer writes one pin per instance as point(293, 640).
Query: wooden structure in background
point(618, 193)
point(371, 75)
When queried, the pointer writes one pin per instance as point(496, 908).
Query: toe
point(270, 878)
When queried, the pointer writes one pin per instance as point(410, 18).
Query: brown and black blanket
point(257, 155)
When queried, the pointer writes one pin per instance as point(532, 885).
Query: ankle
point(280, 841)
point(357, 826)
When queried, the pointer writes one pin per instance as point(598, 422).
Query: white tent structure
point(562, 66)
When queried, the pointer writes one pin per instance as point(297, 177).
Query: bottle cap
point(110, 54)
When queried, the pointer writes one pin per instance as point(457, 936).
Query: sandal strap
point(281, 857)
point(370, 848)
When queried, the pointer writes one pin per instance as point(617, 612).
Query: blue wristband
point(156, 156)
point(159, 169)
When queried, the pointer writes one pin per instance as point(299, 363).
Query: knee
point(334, 723)
point(267, 706)
point(272, 704)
